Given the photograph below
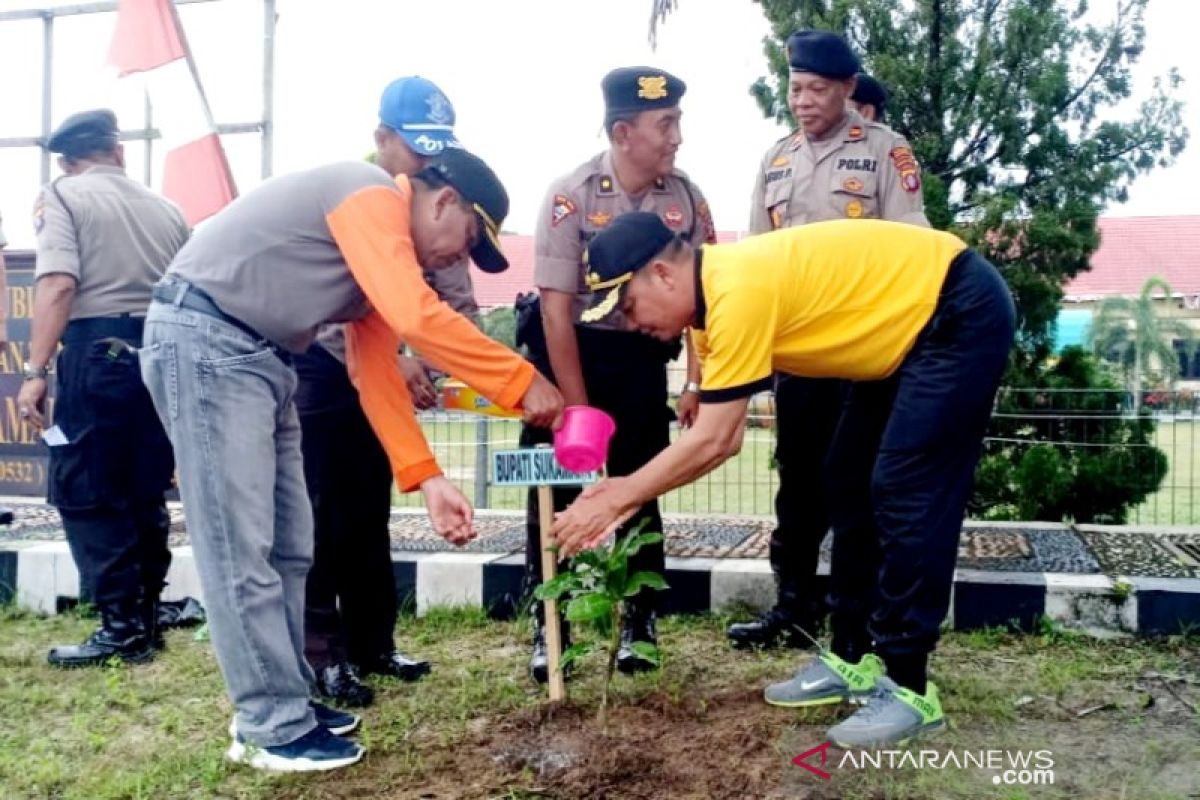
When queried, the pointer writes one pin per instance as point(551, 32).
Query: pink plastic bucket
point(581, 444)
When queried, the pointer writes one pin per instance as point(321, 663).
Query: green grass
point(158, 731)
point(1177, 502)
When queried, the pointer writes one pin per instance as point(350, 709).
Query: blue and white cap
point(417, 109)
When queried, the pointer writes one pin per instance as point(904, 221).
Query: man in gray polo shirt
point(341, 243)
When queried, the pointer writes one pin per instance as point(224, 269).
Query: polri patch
point(906, 165)
point(563, 208)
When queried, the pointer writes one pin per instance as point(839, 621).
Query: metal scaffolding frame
point(147, 133)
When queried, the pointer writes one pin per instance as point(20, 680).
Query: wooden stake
point(558, 689)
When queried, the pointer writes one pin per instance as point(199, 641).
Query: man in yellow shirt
point(859, 300)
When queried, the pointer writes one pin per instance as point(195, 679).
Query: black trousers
point(625, 375)
point(929, 444)
point(350, 601)
point(806, 414)
point(108, 481)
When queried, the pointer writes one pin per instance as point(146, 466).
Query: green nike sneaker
point(827, 679)
point(892, 715)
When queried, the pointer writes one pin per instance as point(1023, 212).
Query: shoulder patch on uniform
point(605, 185)
point(673, 216)
point(906, 164)
point(705, 215)
point(600, 219)
point(39, 212)
point(563, 208)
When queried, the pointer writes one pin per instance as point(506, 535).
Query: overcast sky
point(523, 76)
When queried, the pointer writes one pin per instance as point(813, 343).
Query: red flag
point(149, 39)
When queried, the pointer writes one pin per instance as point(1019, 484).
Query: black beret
point(821, 52)
point(616, 253)
point(632, 89)
point(84, 133)
point(870, 92)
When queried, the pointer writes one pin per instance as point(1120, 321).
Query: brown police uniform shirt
point(581, 204)
point(110, 233)
point(862, 170)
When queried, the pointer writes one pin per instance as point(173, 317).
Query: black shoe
point(638, 627)
point(185, 613)
point(339, 723)
point(774, 628)
point(539, 659)
point(317, 750)
point(397, 665)
point(341, 684)
point(124, 639)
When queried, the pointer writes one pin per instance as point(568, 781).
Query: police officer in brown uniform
point(838, 165)
point(102, 242)
point(350, 599)
point(600, 363)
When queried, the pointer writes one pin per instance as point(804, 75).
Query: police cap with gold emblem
point(869, 91)
point(633, 89)
point(616, 253)
point(85, 133)
point(821, 52)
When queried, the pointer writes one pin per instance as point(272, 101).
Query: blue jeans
point(226, 402)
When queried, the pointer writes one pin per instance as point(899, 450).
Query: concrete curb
point(41, 576)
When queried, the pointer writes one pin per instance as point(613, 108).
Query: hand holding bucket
point(581, 444)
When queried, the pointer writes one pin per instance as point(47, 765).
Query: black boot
point(150, 621)
point(639, 626)
point(122, 634)
point(779, 627)
point(185, 613)
point(340, 684)
point(539, 659)
point(395, 664)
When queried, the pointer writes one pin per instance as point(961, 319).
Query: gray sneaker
point(892, 715)
point(827, 679)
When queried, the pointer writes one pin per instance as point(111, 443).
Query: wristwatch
point(30, 372)
point(691, 386)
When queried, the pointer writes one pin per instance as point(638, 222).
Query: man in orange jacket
point(341, 243)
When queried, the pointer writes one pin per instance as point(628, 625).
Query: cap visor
point(487, 254)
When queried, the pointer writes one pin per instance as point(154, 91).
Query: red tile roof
point(1133, 249)
point(502, 289)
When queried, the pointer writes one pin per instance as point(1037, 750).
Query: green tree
point(500, 323)
point(1141, 337)
point(1009, 107)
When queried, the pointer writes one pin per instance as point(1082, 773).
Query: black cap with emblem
point(629, 90)
point(616, 253)
point(480, 187)
point(822, 53)
point(85, 133)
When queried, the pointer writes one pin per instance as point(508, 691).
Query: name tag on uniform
point(857, 164)
point(779, 174)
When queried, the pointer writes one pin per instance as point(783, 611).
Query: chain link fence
point(1083, 443)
